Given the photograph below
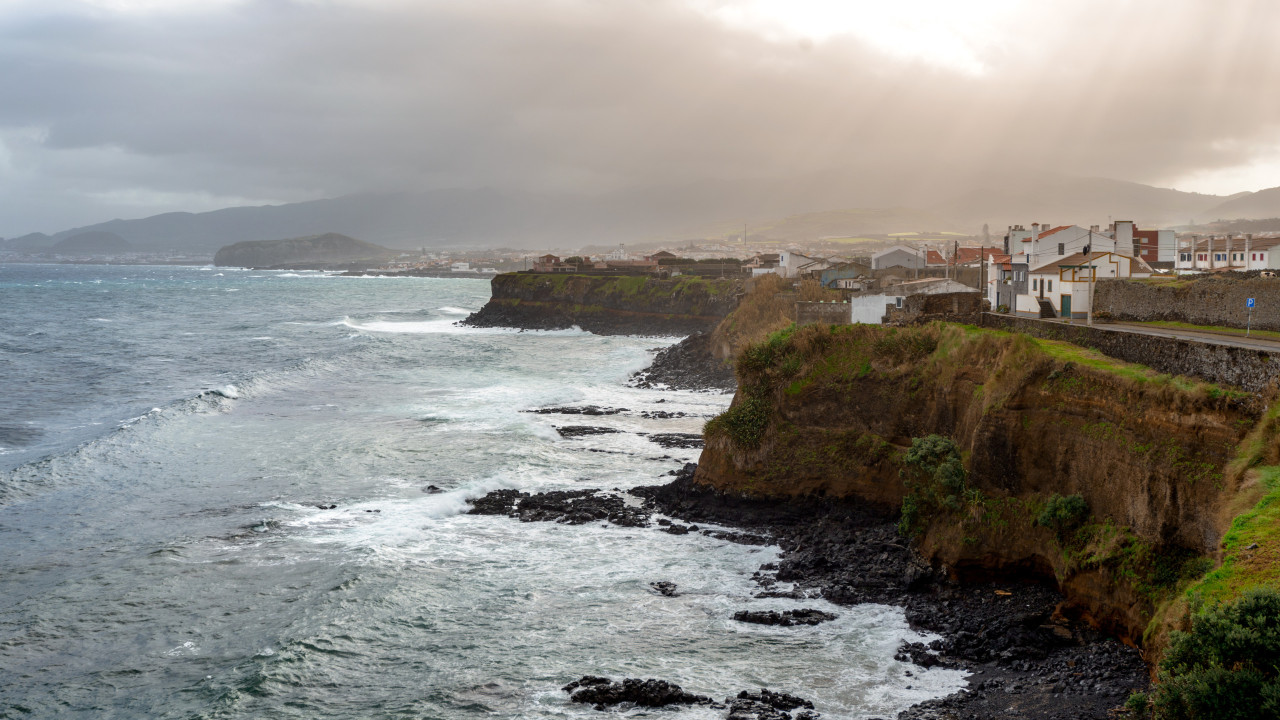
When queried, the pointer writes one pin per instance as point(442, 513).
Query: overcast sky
point(127, 108)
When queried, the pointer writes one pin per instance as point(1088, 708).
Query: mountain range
point(491, 218)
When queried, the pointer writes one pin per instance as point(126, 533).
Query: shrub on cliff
point(1063, 514)
point(934, 477)
point(1227, 667)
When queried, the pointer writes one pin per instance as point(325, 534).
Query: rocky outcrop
point(687, 365)
point(606, 305)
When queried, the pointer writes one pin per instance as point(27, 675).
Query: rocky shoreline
point(1027, 659)
point(687, 365)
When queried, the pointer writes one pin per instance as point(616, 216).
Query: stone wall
point(831, 313)
point(1251, 370)
point(965, 307)
point(1199, 300)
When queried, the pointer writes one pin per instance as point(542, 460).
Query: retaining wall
point(1251, 370)
point(831, 313)
point(1216, 300)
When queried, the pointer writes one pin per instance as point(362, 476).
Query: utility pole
point(1092, 274)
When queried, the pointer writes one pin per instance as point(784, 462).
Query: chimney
point(1124, 237)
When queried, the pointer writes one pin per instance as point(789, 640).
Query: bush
point(1063, 514)
point(934, 477)
point(1227, 667)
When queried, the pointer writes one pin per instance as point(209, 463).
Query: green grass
point(1243, 568)
point(1266, 334)
point(1067, 352)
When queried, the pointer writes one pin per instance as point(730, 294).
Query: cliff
point(607, 305)
point(315, 251)
point(1160, 463)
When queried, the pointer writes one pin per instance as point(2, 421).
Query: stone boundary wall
point(1247, 369)
point(963, 307)
point(1217, 300)
point(831, 313)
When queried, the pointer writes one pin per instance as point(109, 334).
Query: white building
point(1227, 253)
point(793, 264)
point(1062, 287)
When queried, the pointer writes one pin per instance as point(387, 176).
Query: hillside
point(1253, 206)
point(805, 210)
point(316, 250)
point(95, 242)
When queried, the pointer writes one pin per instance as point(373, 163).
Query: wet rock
point(432, 490)
point(327, 507)
point(603, 692)
point(1006, 633)
point(497, 502)
point(918, 653)
point(665, 588)
point(687, 365)
point(572, 507)
point(662, 414)
point(582, 410)
point(786, 618)
point(572, 431)
point(675, 529)
point(677, 440)
point(767, 705)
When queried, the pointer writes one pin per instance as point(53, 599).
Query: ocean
point(172, 439)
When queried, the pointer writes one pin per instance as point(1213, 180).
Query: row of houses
point(1243, 252)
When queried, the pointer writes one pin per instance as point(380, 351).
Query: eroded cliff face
point(607, 305)
point(830, 411)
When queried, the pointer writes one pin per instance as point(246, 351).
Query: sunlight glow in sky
point(945, 33)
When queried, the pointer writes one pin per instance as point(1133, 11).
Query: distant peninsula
point(328, 251)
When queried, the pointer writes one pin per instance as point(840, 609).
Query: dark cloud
point(138, 112)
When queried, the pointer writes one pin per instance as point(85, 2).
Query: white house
point(898, 256)
point(1062, 287)
point(1044, 244)
point(793, 264)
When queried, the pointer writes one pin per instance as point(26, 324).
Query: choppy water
point(167, 433)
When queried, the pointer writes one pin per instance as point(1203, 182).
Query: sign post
point(1249, 324)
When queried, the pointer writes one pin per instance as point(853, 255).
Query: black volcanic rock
point(571, 507)
point(687, 365)
point(579, 410)
point(602, 692)
point(786, 618)
point(665, 588)
point(677, 440)
point(571, 431)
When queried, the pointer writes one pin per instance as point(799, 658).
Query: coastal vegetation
point(998, 450)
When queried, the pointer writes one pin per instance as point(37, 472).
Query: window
point(1050, 286)
point(1062, 248)
point(1202, 257)
point(1184, 257)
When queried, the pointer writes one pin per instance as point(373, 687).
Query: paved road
point(1204, 336)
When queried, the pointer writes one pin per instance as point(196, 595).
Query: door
point(1066, 306)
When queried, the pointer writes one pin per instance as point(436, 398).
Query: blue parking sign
point(1248, 302)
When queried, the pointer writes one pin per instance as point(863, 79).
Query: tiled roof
point(1047, 233)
